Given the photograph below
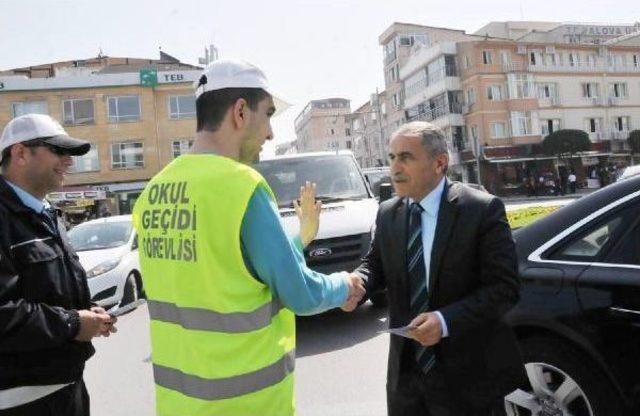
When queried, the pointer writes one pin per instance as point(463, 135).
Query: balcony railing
point(619, 134)
point(597, 136)
point(513, 67)
point(549, 101)
point(584, 67)
point(437, 112)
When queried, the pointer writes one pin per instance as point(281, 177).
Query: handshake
point(356, 292)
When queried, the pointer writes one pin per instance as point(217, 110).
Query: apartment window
point(128, 155)
point(487, 58)
point(594, 125)
point(619, 90)
point(547, 90)
point(437, 70)
point(618, 61)
point(27, 107)
point(332, 132)
point(590, 90)
point(182, 106)
point(636, 61)
point(521, 86)
point(505, 57)
point(549, 126)
point(405, 41)
point(521, 123)
point(533, 58)
point(410, 40)
point(550, 59)
point(467, 62)
point(591, 60)
point(77, 111)
point(390, 51)
point(498, 130)
point(348, 144)
point(395, 100)
point(181, 146)
point(347, 132)
point(471, 96)
point(89, 162)
point(123, 109)
point(622, 123)
point(416, 83)
point(494, 93)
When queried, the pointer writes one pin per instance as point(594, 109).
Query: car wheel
point(131, 292)
point(379, 299)
point(562, 382)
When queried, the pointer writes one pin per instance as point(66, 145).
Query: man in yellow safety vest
point(223, 280)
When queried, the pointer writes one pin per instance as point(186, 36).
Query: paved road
point(340, 366)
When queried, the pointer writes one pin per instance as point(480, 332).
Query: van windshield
point(336, 177)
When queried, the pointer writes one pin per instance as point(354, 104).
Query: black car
point(578, 319)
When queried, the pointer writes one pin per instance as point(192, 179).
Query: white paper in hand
point(403, 331)
point(127, 308)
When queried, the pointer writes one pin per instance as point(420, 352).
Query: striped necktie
point(418, 281)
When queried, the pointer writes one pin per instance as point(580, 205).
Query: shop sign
point(589, 161)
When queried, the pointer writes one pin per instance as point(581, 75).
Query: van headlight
point(102, 268)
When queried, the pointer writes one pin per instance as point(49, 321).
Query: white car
point(630, 171)
point(108, 251)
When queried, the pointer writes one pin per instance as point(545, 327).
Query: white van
point(348, 213)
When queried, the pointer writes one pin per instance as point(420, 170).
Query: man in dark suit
point(446, 256)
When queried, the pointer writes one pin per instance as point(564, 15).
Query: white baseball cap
point(228, 73)
point(40, 126)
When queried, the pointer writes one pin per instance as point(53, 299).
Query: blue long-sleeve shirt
point(278, 262)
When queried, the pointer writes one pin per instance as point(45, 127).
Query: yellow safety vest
point(221, 343)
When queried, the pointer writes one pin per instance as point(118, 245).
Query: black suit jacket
point(473, 283)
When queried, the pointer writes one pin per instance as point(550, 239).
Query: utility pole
point(478, 151)
point(379, 117)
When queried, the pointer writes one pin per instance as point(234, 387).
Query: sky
point(309, 50)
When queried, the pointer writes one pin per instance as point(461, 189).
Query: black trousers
point(429, 395)
point(72, 400)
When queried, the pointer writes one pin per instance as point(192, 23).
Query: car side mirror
point(386, 191)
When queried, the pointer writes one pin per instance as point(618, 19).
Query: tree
point(566, 143)
point(634, 141)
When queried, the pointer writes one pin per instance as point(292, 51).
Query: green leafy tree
point(566, 143)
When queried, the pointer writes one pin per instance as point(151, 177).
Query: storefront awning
point(531, 159)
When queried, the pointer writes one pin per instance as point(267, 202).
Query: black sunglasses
point(59, 151)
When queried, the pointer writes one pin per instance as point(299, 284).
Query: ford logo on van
point(320, 252)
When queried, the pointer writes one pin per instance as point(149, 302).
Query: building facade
point(497, 93)
point(518, 91)
point(324, 125)
point(138, 114)
point(367, 128)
